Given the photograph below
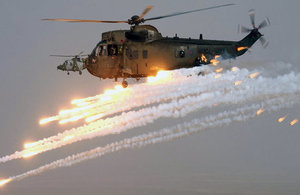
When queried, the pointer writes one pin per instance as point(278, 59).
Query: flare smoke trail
point(168, 134)
point(182, 103)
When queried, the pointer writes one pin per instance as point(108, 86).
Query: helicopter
point(142, 51)
point(76, 64)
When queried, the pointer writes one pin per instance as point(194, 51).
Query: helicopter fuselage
point(142, 52)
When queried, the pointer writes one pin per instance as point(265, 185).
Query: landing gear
point(124, 84)
point(68, 73)
point(80, 73)
point(138, 79)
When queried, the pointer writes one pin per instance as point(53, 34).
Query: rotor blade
point(67, 56)
point(243, 29)
point(263, 42)
point(77, 20)
point(264, 23)
point(146, 11)
point(61, 55)
point(252, 17)
point(180, 13)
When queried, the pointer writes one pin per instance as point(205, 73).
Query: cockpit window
point(112, 50)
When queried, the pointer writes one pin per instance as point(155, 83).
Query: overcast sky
point(256, 155)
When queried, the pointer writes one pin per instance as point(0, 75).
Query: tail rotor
point(263, 24)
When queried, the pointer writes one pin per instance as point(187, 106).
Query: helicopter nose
point(60, 67)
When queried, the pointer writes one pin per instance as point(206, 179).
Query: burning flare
point(88, 108)
point(161, 77)
point(48, 120)
point(234, 69)
point(203, 58)
point(259, 112)
point(219, 70)
point(281, 119)
point(293, 122)
point(4, 181)
point(30, 154)
point(238, 83)
point(30, 144)
point(254, 75)
point(215, 61)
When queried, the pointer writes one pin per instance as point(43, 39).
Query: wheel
point(80, 73)
point(124, 84)
point(68, 73)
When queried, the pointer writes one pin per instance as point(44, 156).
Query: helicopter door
point(131, 61)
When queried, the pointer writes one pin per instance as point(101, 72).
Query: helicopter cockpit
point(104, 49)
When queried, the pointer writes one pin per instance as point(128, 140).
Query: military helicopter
point(76, 64)
point(142, 51)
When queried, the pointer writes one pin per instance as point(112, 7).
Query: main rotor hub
point(135, 20)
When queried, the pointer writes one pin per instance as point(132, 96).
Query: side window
point(135, 54)
point(150, 34)
point(145, 54)
point(101, 51)
point(132, 54)
point(180, 52)
point(96, 51)
point(112, 50)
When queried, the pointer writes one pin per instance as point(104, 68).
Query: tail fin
point(251, 38)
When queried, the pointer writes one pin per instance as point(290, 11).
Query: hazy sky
point(254, 156)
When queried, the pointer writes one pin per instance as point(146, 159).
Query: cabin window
point(112, 50)
point(145, 54)
point(101, 51)
point(180, 52)
point(150, 34)
point(104, 50)
point(132, 54)
point(135, 54)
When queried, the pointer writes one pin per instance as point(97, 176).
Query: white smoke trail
point(260, 88)
point(168, 134)
point(143, 94)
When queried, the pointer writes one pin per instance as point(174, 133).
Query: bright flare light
point(93, 118)
point(83, 104)
point(30, 154)
point(73, 119)
point(87, 107)
point(68, 137)
point(252, 76)
point(47, 120)
point(259, 112)
point(281, 119)
point(215, 61)
point(4, 181)
point(234, 69)
point(238, 83)
point(293, 122)
point(219, 70)
point(30, 144)
point(162, 76)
